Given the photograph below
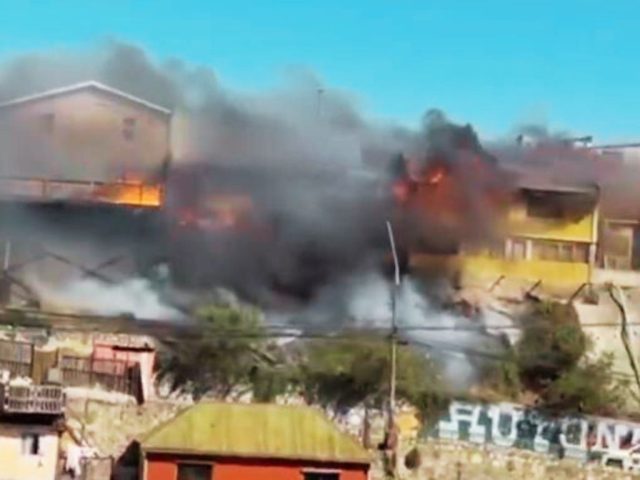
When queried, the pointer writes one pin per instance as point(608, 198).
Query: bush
point(588, 387)
point(551, 362)
point(354, 371)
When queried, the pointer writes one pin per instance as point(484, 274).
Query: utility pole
point(7, 255)
point(393, 343)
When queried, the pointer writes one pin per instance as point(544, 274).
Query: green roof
point(255, 430)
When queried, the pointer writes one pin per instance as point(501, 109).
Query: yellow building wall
point(579, 230)
point(478, 267)
point(557, 274)
point(16, 466)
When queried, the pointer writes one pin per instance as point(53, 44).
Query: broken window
point(543, 206)
point(30, 444)
point(194, 471)
point(129, 128)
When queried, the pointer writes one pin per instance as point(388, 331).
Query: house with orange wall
point(226, 441)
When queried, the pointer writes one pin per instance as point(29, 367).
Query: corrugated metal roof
point(255, 431)
point(82, 86)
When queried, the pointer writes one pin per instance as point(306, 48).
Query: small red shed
point(226, 441)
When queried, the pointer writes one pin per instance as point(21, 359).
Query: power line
point(29, 318)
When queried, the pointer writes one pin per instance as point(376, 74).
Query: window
point(128, 128)
point(543, 206)
point(560, 251)
point(518, 250)
point(194, 471)
point(30, 444)
point(46, 122)
point(321, 476)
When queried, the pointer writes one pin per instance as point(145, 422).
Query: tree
point(552, 343)
point(231, 353)
point(355, 370)
point(552, 361)
point(588, 387)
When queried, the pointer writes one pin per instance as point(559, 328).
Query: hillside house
point(87, 132)
point(218, 441)
point(545, 234)
point(551, 236)
point(30, 422)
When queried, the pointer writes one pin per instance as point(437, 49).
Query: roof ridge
point(82, 85)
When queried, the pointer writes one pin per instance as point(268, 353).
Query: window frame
point(199, 463)
point(320, 471)
point(560, 251)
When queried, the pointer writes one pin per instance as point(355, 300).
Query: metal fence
point(19, 359)
point(86, 371)
point(16, 357)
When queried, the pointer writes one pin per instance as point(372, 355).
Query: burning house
point(81, 179)
point(85, 142)
point(550, 235)
point(244, 200)
point(86, 175)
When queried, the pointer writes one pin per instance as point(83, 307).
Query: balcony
point(32, 399)
point(124, 193)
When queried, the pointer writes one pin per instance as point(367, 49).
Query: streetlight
point(393, 341)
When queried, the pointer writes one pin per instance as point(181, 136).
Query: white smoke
point(370, 304)
point(134, 296)
point(458, 343)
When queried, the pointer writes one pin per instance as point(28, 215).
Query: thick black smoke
point(315, 169)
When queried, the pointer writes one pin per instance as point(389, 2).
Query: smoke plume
point(315, 168)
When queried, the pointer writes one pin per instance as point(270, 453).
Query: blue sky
point(571, 64)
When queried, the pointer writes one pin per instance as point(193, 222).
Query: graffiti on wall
point(508, 425)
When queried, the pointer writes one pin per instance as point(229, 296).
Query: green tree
point(355, 370)
point(231, 352)
point(552, 343)
point(501, 377)
point(552, 361)
point(589, 387)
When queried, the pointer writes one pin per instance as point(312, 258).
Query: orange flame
point(436, 176)
point(129, 193)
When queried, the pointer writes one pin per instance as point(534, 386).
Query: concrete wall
point(16, 465)
point(447, 460)
point(622, 278)
point(581, 437)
